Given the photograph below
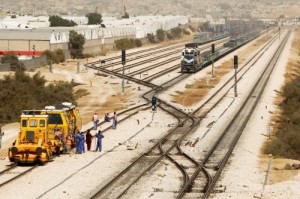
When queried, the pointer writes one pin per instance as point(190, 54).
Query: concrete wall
point(63, 46)
point(28, 64)
point(4, 45)
point(23, 45)
point(98, 46)
point(4, 67)
point(35, 62)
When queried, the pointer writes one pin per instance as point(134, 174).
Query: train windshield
point(55, 119)
point(189, 56)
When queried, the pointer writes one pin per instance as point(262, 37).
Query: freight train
point(44, 133)
point(192, 60)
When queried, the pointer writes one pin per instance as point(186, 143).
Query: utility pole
point(78, 67)
point(123, 63)
point(50, 66)
point(122, 8)
point(235, 65)
point(212, 59)
point(1, 135)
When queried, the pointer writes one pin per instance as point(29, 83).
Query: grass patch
point(80, 93)
point(188, 86)
point(288, 166)
point(204, 86)
point(179, 92)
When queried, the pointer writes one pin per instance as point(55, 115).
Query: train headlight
point(14, 150)
point(39, 150)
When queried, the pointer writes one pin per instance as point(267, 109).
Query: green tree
point(58, 21)
point(203, 27)
point(151, 38)
point(51, 56)
point(12, 59)
point(94, 18)
point(160, 34)
point(56, 56)
point(138, 42)
point(186, 32)
point(125, 43)
point(60, 55)
point(76, 44)
point(170, 36)
point(176, 32)
point(22, 91)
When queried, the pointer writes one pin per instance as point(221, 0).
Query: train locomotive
point(191, 58)
point(44, 132)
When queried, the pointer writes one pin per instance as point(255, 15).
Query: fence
point(28, 64)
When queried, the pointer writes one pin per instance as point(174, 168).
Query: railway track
point(128, 177)
point(170, 148)
point(165, 148)
point(215, 160)
point(150, 52)
point(167, 145)
point(156, 49)
point(14, 172)
point(236, 126)
point(146, 61)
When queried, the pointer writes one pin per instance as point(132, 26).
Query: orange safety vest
point(69, 142)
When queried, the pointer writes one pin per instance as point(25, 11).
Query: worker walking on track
point(153, 101)
point(115, 121)
point(95, 121)
point(78, 145)
point(88, 139)
point(99, 137)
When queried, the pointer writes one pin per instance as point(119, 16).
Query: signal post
point(235, 65)
point(212, 59)
point(123, 63)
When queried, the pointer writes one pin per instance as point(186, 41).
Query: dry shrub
point(286, 139)
point(288, 166)
point(80, 93)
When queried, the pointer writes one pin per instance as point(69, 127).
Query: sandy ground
point(77, 176)
point(247, 175)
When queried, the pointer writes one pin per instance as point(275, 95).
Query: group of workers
point(107, 118)
point(80, 139)
point(77, 141)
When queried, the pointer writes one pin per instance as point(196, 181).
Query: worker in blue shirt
point(99, 137)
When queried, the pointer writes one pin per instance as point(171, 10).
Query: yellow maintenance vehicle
point(44, 132)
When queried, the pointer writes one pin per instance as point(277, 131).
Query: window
point(33, 123)
point(188, 57)
point(30, 136)
point(24, 123)
point(55, 119)
point(42, 123)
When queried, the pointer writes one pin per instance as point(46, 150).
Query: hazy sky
point(149, 7)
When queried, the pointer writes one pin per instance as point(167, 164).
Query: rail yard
point(183, 149)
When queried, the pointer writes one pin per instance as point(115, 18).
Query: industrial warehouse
point(34, 40)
